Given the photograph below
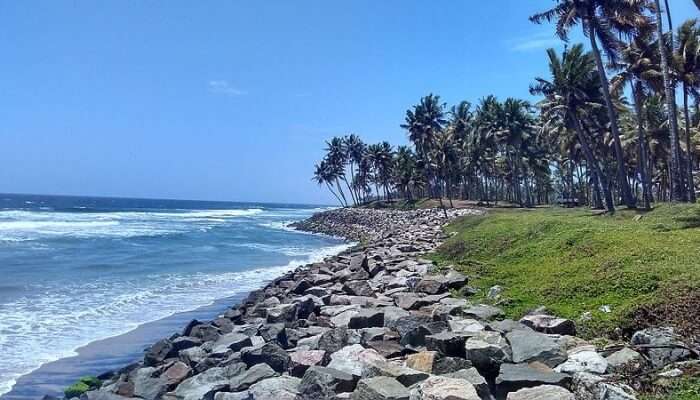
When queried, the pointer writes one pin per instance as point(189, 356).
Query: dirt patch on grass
point(681, 311)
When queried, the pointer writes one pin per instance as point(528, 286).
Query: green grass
point(83, 385)
point(573, 261)
point(686, 389)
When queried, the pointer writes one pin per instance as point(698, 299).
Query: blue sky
point(233, 100)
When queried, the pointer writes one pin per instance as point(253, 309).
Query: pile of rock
point(377, 322)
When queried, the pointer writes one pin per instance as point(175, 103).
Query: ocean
point(76, 271)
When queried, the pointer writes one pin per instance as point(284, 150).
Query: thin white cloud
point(538, 41)
point(225, 87)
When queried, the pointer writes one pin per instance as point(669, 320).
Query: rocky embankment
point(379, 323)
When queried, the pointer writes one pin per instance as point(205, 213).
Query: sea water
point(75, 270)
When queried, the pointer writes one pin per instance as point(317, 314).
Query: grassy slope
point(574, 262)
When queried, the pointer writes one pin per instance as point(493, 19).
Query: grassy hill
point(644, 266)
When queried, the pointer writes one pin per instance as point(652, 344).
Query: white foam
point(18, 225)
point(55, 322)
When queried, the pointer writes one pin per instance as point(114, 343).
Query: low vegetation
point(83, 385)
point(605, 272)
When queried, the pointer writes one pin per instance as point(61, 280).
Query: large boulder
point(549, 324)
point(367, 318)
point(380, 388)
point(587, 386)
point(544, 392)
point(256, 373)
point(301, 360)
point(279, 388)
point(444, 388)
point(269, 353)
point(207, 382)
point(625, 359)
point(321, 383)
point(583, 359)
point(473, 376)
point(157, 353)
point(487, 351)
point(447, 343)
point(483, 312)
point(333, 340)
point(671, 348)
point(358, 288)
point(528, 346)
point(513, 377)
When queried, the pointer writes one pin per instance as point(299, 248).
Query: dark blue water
point(74, 270)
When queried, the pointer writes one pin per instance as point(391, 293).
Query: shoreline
point(378, 321)
point(99, 356)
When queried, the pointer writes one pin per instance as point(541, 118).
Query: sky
point(233, 100)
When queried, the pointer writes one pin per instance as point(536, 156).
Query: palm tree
point(324, 174)
point(354, 150)
point(678, 193)
point(337, 159)
point(600, 19)
point(686, 63)
point(638, 68)
point(572, 90)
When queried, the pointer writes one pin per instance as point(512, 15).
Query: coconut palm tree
point(637, 67)
point(678, 194)
point(325, 174)
point(600, 21)
point(572, 89)
point(337, 158)
point(354, 150)
point(686, 65)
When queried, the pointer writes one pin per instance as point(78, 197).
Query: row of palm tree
point(605, 132)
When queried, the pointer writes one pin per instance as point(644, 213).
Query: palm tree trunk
point(340, 189)
point(612, 115)
point(676, 174)
point(330, 188)
point(641, 138)
point(602, 179)
point(689, 147)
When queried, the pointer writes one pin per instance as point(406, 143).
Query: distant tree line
point(607, 131)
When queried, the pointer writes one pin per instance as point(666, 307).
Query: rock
point(343, 319)
point(530, 346)
point(375, 366)
point(269, 353)
point(233, 341)
point(444, 388)
point(584, 359)
point(333, 340)
point(300, 361)
point(387, 348)
point(588, 386)
point(350, 360)
point(549, 324)
point(249, 377)
point(157, 353)
point(232, 396)
point(207, 382)
point(358, 288)
point(543, 392)
point(279, 388)
point(321, 383)
point(487, 351)
point(413, 333)
point(102, 395)
point(176, 373)
point(660, 357)
point(433, 363)
point(494, 293)
point(392, 314)
point(281, 313)
point(507, 325)
point(206, 332)
point(625, 359)
point(380, 388)
point(367, 318)
point(185, 342)
point(447, 343)
point(431, 285)
point(422, 361)
point(147, 385)
point(467, 326)
point(483, 311)
point(472, 376)
point(513, 377)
